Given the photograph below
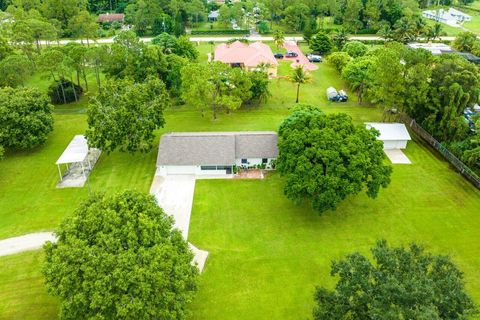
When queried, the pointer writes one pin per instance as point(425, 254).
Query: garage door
point(181, 170)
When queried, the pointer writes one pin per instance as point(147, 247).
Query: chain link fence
point(450, 157)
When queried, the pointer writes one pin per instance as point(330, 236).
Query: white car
point(314, 58)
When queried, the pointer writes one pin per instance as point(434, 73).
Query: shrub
point(339, 60)
point(64, 91)
point(25, 118)
point(321, 43)
point(355, 49)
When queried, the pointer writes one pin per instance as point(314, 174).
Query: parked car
point(278, 55)
point(291, 54)
point(336, 96)
point(314, 58)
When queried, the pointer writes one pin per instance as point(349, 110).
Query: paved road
point(223, 39)
point(31, 241)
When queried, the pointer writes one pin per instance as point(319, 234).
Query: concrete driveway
point(174, 193)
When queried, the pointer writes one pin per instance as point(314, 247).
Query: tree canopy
point(215, 86)
point(125, 115)
point(400, 283)
point(119, 257)
point(325, 158)
point(25, 118)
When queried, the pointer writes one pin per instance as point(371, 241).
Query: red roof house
point(247, 56)
point(111, 17)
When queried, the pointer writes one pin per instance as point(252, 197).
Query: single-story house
point(247, 56)
point(215, 153)
point(393, 135)
point(435, 48)
point(111, 17)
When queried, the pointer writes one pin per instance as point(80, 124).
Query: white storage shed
point(393, 135)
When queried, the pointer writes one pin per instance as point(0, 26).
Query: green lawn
point(265, 252)
point(268, 253)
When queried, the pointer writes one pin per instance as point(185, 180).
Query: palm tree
point(299, 76)
point(278, 38)
point(434, 32)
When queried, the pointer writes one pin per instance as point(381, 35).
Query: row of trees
point(433, 90)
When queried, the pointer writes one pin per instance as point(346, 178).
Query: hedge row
point(219, 31)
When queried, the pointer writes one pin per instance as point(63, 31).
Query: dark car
point(278, 55)
point(291, 54)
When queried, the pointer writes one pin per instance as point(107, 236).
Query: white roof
point(390, 131)
point(76, 151)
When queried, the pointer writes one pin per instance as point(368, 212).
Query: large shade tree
point(25, 118)
point(215, 86)
point(118, 257)
point(125, 114)
point(325, 158)
point(400, 283)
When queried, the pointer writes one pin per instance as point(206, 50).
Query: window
point(264, 160)
point(244, 161)
point(208, 167)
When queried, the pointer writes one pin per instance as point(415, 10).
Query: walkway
point(31, 241)
point(301, 59)
point(397, 156)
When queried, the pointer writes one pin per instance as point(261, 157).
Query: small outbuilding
point(111, 17)
point(78, 159)
point(393, 135)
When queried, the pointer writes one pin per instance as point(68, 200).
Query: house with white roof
point(452, 17)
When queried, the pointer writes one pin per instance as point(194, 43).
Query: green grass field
point(266, 254)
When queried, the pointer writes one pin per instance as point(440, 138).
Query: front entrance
point(229, 170)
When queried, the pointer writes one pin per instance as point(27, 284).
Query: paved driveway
point(396, 156)
point(174, 193)
point(301, 59)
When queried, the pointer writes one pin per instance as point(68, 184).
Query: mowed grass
point(267, 255)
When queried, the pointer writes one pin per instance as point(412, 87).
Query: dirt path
point(31, 241)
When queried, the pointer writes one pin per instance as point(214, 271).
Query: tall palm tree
point(434, 32)
point(299, 76)
point(278, 38)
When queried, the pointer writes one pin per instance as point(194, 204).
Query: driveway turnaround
point(301, 59)
point(397, 156)
point(31, 241)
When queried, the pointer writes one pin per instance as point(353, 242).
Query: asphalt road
point(221, 39)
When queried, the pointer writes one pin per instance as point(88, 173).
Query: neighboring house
point(213, 15)
point(215, 153)
point(247, 56)
point(451, 16)
point(435, 48)
point(393, 135)
point(111, 17)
